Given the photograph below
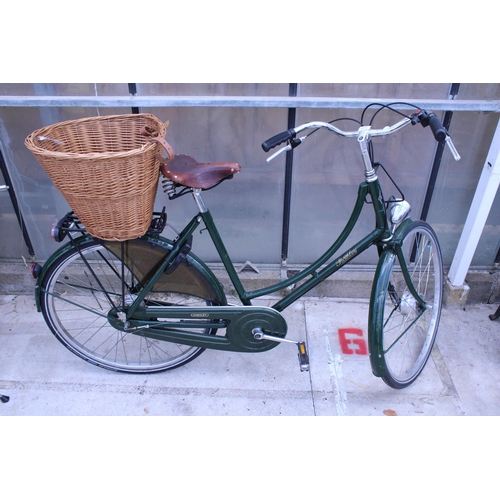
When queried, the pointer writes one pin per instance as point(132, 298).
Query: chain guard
point(239, 322)
point(239, 331)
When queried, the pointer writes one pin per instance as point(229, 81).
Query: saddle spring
point(169, 187)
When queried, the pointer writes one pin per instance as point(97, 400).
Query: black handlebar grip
point(437, 128)
point(278, 139)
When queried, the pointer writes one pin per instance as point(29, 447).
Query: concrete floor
point(41, 377)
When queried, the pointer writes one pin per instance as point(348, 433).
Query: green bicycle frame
point(239, 320)
point(312, 273)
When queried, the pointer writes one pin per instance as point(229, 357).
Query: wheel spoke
point(403, 332)
point(77, 306)
point(409, 324)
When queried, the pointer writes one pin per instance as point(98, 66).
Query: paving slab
point(42, 378)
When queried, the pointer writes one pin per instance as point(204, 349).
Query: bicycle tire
point(403, 331)
point(75, 309)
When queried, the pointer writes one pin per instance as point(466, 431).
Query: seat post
point(199, 201)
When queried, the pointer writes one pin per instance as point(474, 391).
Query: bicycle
point(150, 304)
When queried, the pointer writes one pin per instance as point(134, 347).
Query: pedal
point(303, 357)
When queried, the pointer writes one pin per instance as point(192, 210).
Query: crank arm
point(303, 356)
point(260, 335)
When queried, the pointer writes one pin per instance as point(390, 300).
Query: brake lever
point(288, 147)
point(295, 142)
point(452, 148)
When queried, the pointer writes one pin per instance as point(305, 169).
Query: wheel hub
point(408, 304)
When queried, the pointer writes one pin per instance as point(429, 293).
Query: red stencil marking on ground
point(352, 341)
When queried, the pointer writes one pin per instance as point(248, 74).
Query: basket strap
point(167, 147)
point(152, 135)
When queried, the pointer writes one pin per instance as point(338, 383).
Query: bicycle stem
point(363, 141)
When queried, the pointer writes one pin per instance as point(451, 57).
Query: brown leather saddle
point(185, 170)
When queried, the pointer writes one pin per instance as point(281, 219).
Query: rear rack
point(70, 223)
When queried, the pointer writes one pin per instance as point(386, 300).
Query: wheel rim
point(76, 309)
point(409, 330)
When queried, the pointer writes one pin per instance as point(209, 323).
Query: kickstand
point(4, 399)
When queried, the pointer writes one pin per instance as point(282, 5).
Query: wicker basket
point(106, 170)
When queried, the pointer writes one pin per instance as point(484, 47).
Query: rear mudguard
point(154, 246)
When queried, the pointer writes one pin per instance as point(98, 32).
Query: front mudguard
point(377, 299)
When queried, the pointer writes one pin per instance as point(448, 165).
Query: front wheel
point(406, 306)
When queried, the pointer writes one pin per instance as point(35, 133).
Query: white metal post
point(480, 208)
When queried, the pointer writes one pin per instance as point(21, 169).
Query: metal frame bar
point(312, 273)
point(486, 191)
point(239, 102)
point(15, 204)
point(455, 87)
point(287, 199)
point(477, 216)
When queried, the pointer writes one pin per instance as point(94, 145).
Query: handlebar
point(421, 116)
point(278, 139)
point(437, 128)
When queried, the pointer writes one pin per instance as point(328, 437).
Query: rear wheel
point(408, 309)
point(83, 285)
